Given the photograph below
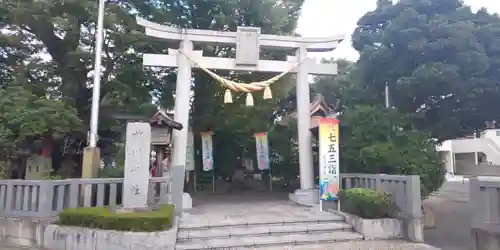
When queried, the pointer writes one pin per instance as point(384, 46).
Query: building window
point(498, 132)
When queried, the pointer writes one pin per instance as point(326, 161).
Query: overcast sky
point(331, 17)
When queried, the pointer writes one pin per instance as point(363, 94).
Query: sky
point(331, 17)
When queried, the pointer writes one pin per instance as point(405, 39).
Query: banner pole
point(194, 180)
point(213, 180)
point(270, 180)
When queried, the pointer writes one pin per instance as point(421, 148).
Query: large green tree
point(378, 140)
point(439, 59)
point(55, 40)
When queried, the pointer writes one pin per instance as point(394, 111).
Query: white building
point(472, 156)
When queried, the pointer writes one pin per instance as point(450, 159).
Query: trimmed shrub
point(104, 218)
point(365, 203)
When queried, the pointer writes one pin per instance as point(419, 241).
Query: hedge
point(104, 218)
point(366, 203)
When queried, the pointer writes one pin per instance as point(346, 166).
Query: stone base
point(305, 197)
point(187, 201)
point(375, 229)
point(483, 240)
point(22, 232)
point(428, 218)
point(76, 238)
point(91, 162)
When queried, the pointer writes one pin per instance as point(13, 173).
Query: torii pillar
point(248, 41)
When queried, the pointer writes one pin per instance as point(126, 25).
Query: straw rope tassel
point(267, 93)
point(249, 101)
point(228, 97)
point(244, 87)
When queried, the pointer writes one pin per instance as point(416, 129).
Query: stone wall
point(477, 170)
point(22, 232)
point(33, 233)
point(62, 238)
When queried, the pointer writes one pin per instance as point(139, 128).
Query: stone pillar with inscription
point(136, 173)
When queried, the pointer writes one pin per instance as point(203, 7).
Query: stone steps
point(263, 230)
point(304, 231)
point(196, 225)
point(270, 240)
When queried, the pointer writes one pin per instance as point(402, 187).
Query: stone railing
point(405, 192)
point(46, 198)
point(484, 202)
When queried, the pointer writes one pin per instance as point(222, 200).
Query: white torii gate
point(248, 42)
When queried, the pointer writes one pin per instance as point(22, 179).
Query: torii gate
point(248, 42)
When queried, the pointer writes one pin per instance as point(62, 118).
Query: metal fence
point(46, 198)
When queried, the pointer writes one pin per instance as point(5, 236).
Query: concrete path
point(247, 208)
point(452, 214)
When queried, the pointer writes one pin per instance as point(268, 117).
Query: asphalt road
point(452, 216)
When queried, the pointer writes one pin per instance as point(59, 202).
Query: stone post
point(182, 96)
point(307, 194)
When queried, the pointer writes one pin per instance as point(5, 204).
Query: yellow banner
point(329, 179)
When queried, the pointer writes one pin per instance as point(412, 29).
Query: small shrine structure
point(162, 126)
point(318, 108)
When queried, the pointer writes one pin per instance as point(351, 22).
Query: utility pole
point(91, 154)
point(387, 102)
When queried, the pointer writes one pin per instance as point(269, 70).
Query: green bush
point(380, 141)
point(366, 203)
point(104, 218)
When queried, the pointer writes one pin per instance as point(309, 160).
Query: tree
point(26, 119)
point(333, 88)
point(439, 59)
point(376, 140)
point(55, 40)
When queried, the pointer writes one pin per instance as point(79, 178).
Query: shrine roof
point(161, 118)
point(318, 107)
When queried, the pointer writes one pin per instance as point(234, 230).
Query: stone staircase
point(276, 232)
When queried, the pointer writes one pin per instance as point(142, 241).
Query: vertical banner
point(262, 151)
point(207, 151)
point(190, 152)
point(329, 179)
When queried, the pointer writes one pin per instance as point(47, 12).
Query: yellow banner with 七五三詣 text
point(329, 179)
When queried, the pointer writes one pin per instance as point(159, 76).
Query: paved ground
point(247, 208)
point(452, 215)
point(361, 245)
